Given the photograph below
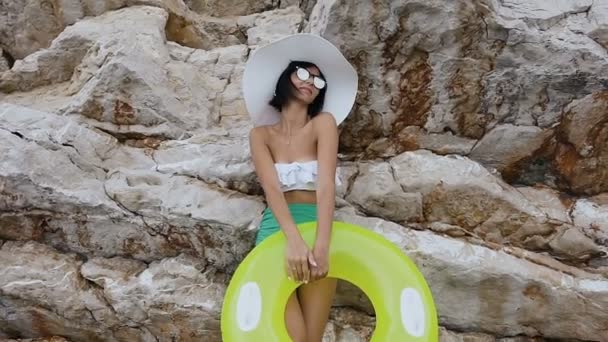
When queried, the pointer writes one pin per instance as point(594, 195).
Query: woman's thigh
point(315, 301)
point(294, 320)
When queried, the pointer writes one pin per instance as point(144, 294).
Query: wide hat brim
point(266, 64)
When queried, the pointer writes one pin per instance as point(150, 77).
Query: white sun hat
point(266, 64)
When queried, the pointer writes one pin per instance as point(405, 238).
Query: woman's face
point(305, 90)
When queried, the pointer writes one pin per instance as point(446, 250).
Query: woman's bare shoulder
point(324, 120)
point(259, 133)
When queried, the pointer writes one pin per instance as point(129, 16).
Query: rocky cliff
point(478, 145)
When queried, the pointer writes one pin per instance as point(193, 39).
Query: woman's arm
point(297, 252)
point(327, 152)
point(267, 175)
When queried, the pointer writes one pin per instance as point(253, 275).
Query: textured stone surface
point(554, 204)
point(123, 80)
point(43, 339)
point(477, 145)
point(592, 215)
point(190, 29)
point(506, 146)
point(582, 150)
point(461, 192)
point(269, 26)
point(223, 8)
point(214, 158)
point(173, 298)
point(79, 189)
point(501, 72)
point(4, 65)
point(230, 8)
point(30, 25)
point(506, 296)
point(451, 336)
point(44, 293)
point(415, 137)
point(378, 193)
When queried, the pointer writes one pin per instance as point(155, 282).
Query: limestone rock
point(582, 153)
point(269, 26)
point(46, 179)
point(507, 296)
point(348, 325)
point(477, 146)
point(231, 8)
point(378, 193)
point(53, 190)
point(125, 82)
point(592, 215)
point(3, 62)
point(542, 13)
point(461, 192)
point(415, 138)
point(43, 339)
point(189, 215)
point(225, 8)
point(62, 185)
point(305, 5)
point(212, 30)
point(457, 196)
point(27, 26)
point(93, 150)
point(598, 14)
point(555, 204)
point(507, 146)
point(479, 70)
point(215, 159)
point(203, 32)
point(572, 242)
point(30, 25)
point(451, 336)
point(43, 293)
point(171, 298)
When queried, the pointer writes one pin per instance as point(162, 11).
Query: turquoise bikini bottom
point(301, 213)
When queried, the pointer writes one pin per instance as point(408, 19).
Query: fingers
point(311, 259)
point(300, 267)
point(323, 274)
point(318, 273)
point(305, 270)
point(312, 266)
point(299, 272)
point(293, 268)
point(289, 268)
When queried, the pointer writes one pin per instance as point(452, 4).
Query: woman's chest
point(301, 147)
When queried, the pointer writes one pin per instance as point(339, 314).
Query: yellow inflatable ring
point(255, 300)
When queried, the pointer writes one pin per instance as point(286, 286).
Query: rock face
point(478, 146)
point(497, 72)
point(582, 147)
point(30, 25)
point(507, 296)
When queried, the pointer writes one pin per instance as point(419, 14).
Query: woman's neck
point(293, 117)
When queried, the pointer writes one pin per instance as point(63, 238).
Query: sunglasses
point(303, 74)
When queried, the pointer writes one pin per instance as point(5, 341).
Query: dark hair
point(285, 88)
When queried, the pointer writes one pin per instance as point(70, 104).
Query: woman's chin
point(306, 100)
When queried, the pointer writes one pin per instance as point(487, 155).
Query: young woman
point(297, 91)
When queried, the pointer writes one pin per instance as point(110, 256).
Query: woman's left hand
point(321, 255)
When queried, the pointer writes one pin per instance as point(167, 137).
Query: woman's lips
point(305, 91)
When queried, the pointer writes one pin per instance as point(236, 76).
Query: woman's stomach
point(301, 196)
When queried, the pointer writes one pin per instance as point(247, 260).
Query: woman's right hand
point(298, 255)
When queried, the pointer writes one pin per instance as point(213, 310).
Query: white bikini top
point(298, 175)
